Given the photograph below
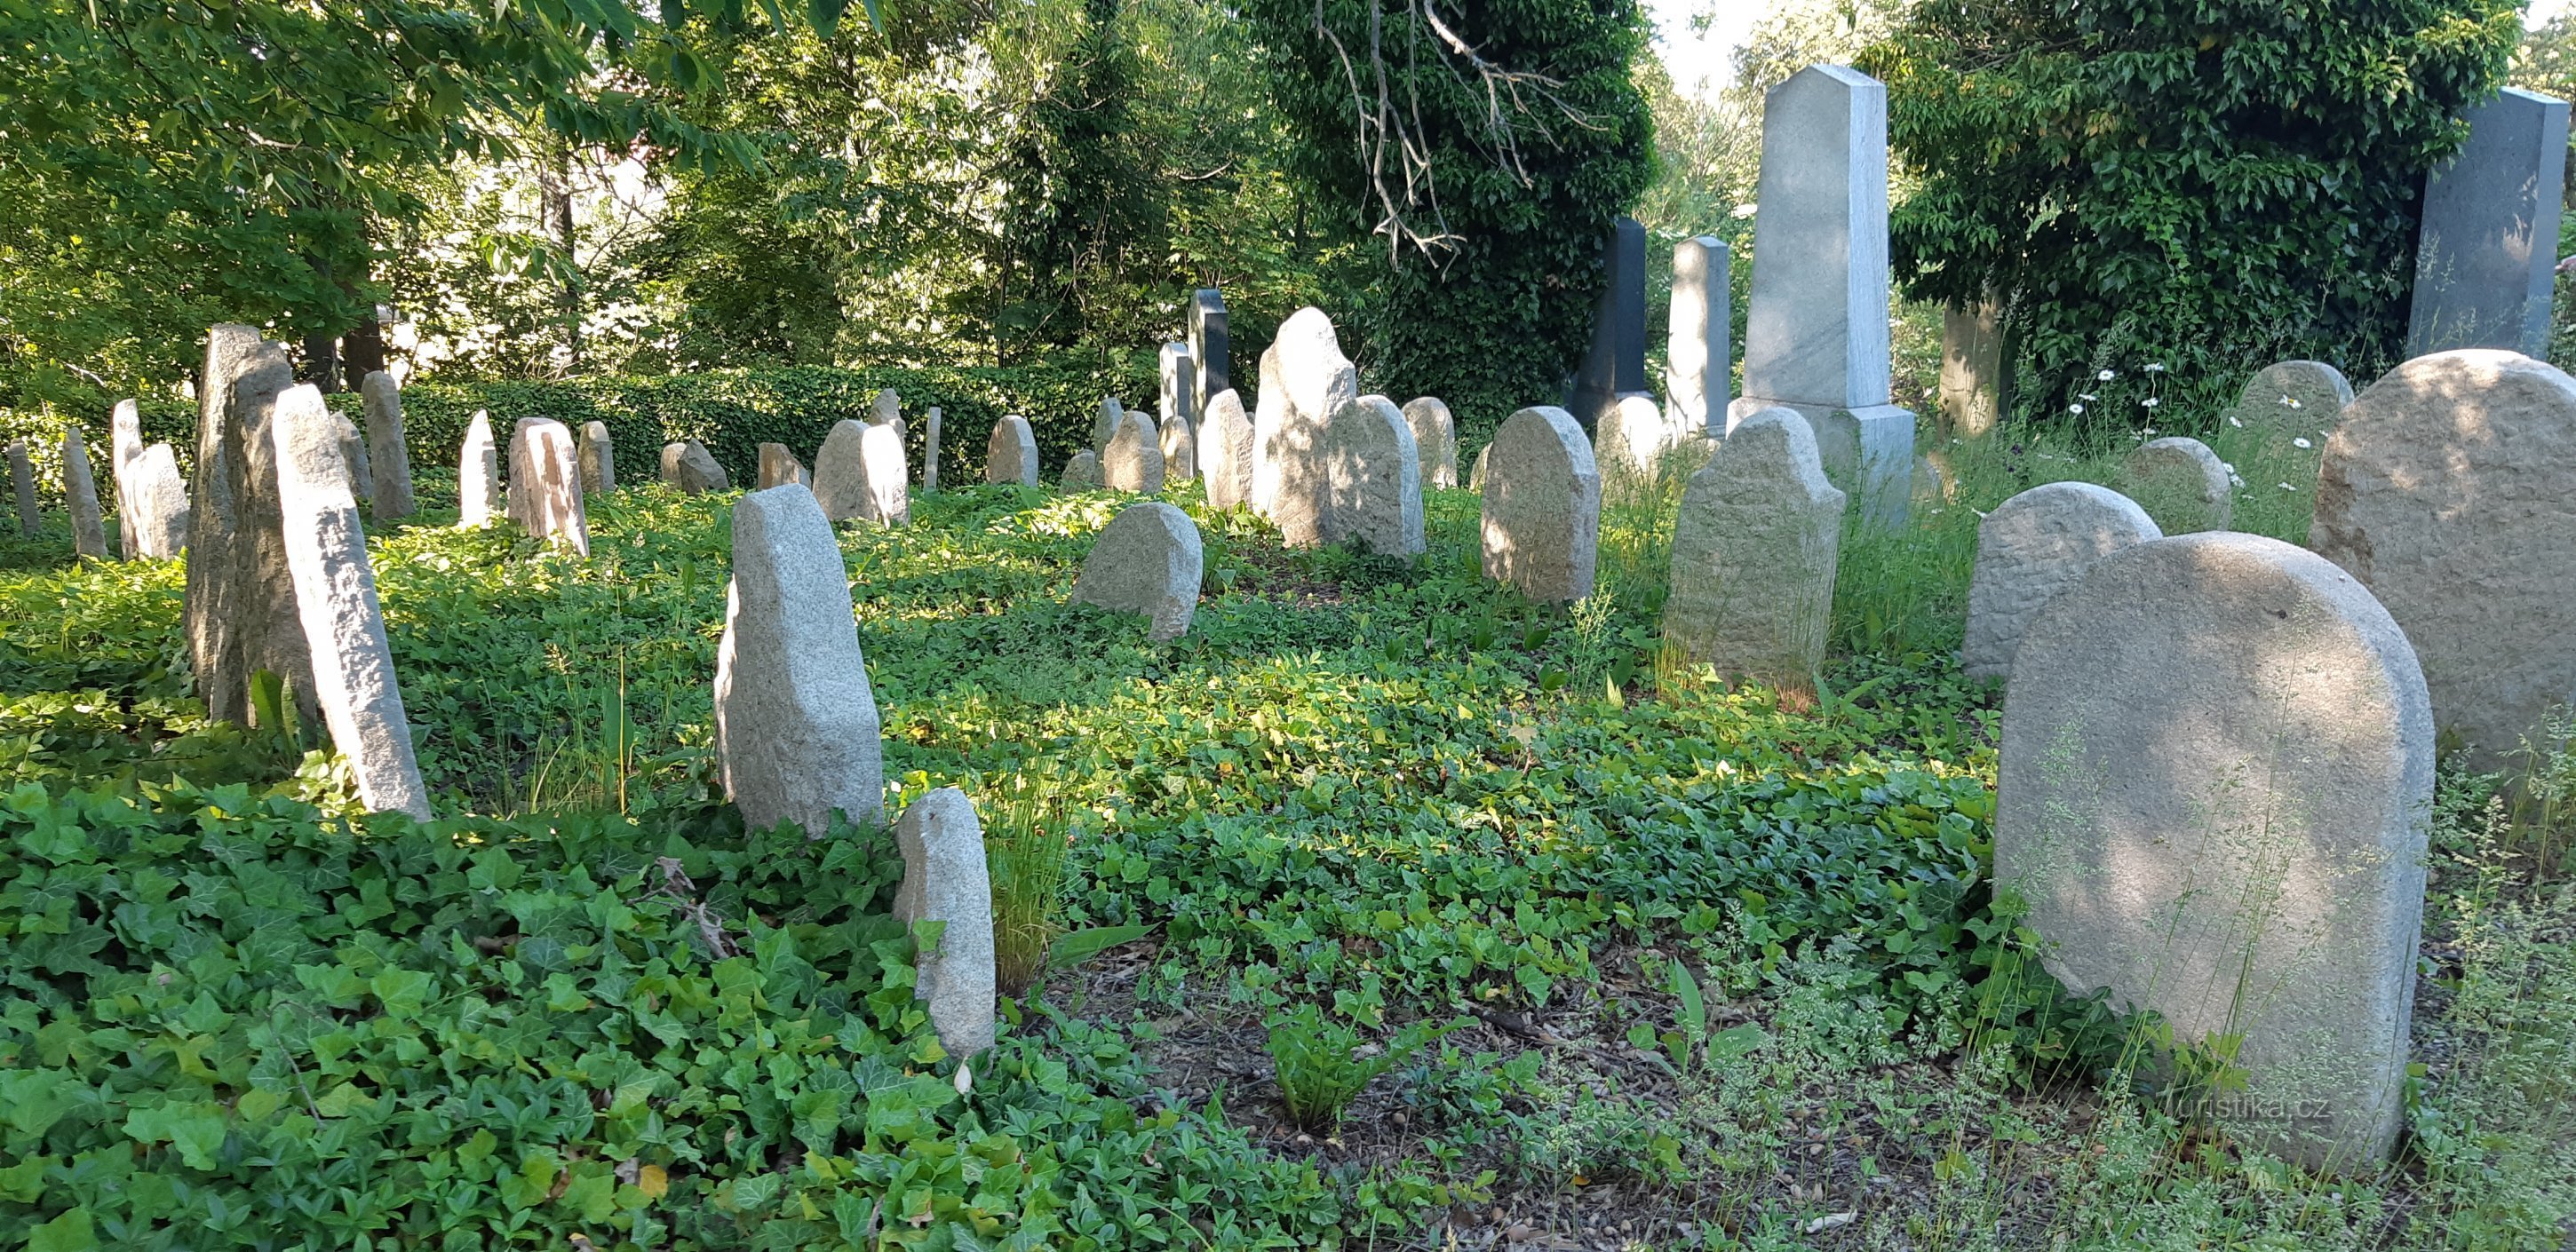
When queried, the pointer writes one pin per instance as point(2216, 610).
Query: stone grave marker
point(779, 466)
point(80, 494)
point(478, 472)
point(598, 459)
point(2181, 484)
point(930, 449)
point(1305, 381)
point(860, 473)
point(1615, 368)
point(2292, 400)
point(1435, 436)
point(241, 615)
point(796, 722)
point(1146, 560)
point(2029, 549)
point(1180, 451)
point(1542, 518)
point(1209, 346)
point(2486, 254)
point(1699, 352)
point(1105, 426)
point(1754, 552)
point(157, 493)
point(22, 478)
point(1011, 454)
point(1180, 382)
point(1225, 451)
point(389, 473)
point(945, 880)
point(1629, 441)
point(688, 466)
point(1081, 473)
point(1133, 461)
point(545, 483)
point(124, 443)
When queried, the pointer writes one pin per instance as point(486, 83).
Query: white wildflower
point(2075, 408)
point(2155, 367)
point(2149, 403)
point(2301, 444)
point(2288, 487)
point(2105, 376)
point(2232, 420)
point(1743, 211)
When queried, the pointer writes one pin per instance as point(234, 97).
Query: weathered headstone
point(158, 494)
point(22, 478)
point(1104, 427)
point(1179, 372)
point(2487, 253)
point(1435, 436)
point(1361, 485)
point(688, 466)
point(353, 454)
point(1226, 451)
point(1476, 478)
point(1146, 560)
point(779, 467)
point(945, 880)
point(1615, 368)
point(389, 469)
point(2291, 400)
point(2215, 783)
point(334, 588)
point(888, 409)
point(1133, 461)
point(796, 722)
point(598, 459)
point(860, 473)
point(2032, 547)
point(1180, 451)
point(545, 483)
point(80, 494)
point(1209, 346)
point(1976, 367)
point(1754, 553)
point(2446, 491)
point(1305, 380)
point(1011, 454)
point(1081, 472)
point(1699, 355)
point(241, 613)
point(478, 472)
point(1629, 440)
point(1816, 340)
point(1542, 522)
point(124, 443)
point(2181, 484)
point(930, 450)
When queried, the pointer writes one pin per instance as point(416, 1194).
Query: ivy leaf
point(70, 1232)
point(196, 1130)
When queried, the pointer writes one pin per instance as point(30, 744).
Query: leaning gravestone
point(598, 459)
point(1209, 347)
point(1011, 454)
point(1305, 381)
point(1081, 472)
point(1133, 461)
point(2487, 253)
point(1435, 436)
point(1542, 522)
point(1629, 441)
point(2029, 549)
point(2216, 778)
point(1699, 355)
point(1180, 382)
point(124, 443)
point(1754, 553)
point(1615, 368)
point(241, 613)
point(335, 594)
point(1147, 560)
point(779, 467)
point(688, 466)
point(478, 472)
point(80, 493)
point(860, 474)
point(2181, 484)
point(389, 474)
point(22, 478)
point(945, 880)
point(212, 600)
point(545, 483)
point(796, 722)
point(1180, 451)
point(2446, 491)
point(1225, 451)
point(930, 450)
point(2292, 399)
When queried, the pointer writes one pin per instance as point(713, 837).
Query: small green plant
point(1319, 1066)
point(2545, 789)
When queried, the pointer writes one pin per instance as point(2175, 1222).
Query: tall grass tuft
point(1024, 852)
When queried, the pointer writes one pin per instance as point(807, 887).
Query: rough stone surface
point(1305, 380)
point(779, 467)
point(545, 483)
point(2292, 399)
point(1476, 478)
point(1699, 357)
point(888, 409)
point(2216, 774)
point(1133, 461)
point(1226, 451)
point(22, 480)
point(598, 459)
point(1616, 365)
point(1209, 346)
point(2487, 252)
point(1435, 437)
point(241, 614)
point(124, 443)
point(796, 722)
point(1179, 372)
point(2029, 549)
point(158, 492)
point(945, 880)
point(1628, 444)
point(1104, 427)
point(1180, 451)
point(930, 450)
point(478, 472)
point(2447, 491)
point(80, 493)
point(1976, 373)
point(335, 596)
point(1754, 552)
point(2181, 484)
point(860, 473)
point(1542, 522)
point(389, 470)
point(1373, 480)
point(211, 595)
point(1147, 560)
point(1011, 454)
point(688, 466)
point(353, 454)
point(1081, 472)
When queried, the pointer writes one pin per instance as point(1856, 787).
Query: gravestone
point(1180, 451)
point(1180, 381)
point(1699, 353)
point(945, 880)
point(1225, 451)
point(1104, 427)
point(860, 474)
point(1754, 552)
point(1011, 454)
point(213, 599)
point(779, 467)
point(22, 478)
point(930, 450)
point(598, 459)
point(80, 494)
point(1305, 380)
point(2446, 491)
point(2215, 780)
point(478, 473)
point(389, 473)
point(688, 466)
point(1816, 340)
point(1542, 518)
point(241, 613)
point(888, 409)
point(353, 454)
point(2292, 400)
point(1435, 436)
point(2181, 484)
point(545, 483)
point(1374, 480)
point(1133, 461)
point(334, 589)
point(157, 492)
point(2032, 547)
point(1147, 560)
point(1476, 478)
point(1615, 367)
point(1209, 346)
point(796, 722)
point(1081, 472)
point(1976, 367)
point(1629, 441)
point(2486, 255)
point(124, 443)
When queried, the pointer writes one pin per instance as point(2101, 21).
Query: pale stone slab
point(2487, 253)
point(1179, 372)
point(1976, 367)
point(860, 474)
point(389, 469)
point(1629, 441)
point(688, 466)
point(930, 450)
point(1146, 560)
point(1225, 451)
point(1373, 480)
point(334, 588)
point(2292, 399)
point(2216, 778)
point(1082, 472)
point(796, 722)
point(2447, 491)
point(779, 466)
point(212, 596)
point(1699, 352)
point(125, 442)
point(2180, 483)
point(1476, 478)
point(158, 493)
point(1615, 368)
point(353, 453)
point(80, 493)
point(1180, 451)
point(1011, 454)
point(545, 483)
point(888, 409)
point(945, 880)
point(478, 472)
point(1435, 436)
point(2032, 547)
point(1817, 330)
point(241, 613)
point(1542, 519)
point(22, 478)
point(1210, 346)
point(598, 459)
point(1305, 380)
point(1133, 461)
point(1104, 427)
point(1755, 549)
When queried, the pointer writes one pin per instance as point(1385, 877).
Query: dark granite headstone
point(1616, 366)
point(1208, 344)
point(2485, 260)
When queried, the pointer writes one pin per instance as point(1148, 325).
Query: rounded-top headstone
point(478, 471)
point(2181, 484)
point(1362, 484)
point(1755, 548)
point(2029, 549)
point(598, 459)
point(545, 483)
point(1305, 381)
point(1011, 454)
point(1630, 443)
point(1133, 461)
point(2450, 491)
point(2292, 398)
point(1180, 450)
point(860, 473)
point(1226, 451)
point(1147, 560)
point(2216, 773)
point(1435, 436)
point(1542, 516)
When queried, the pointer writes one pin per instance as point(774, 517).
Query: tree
point(2206, 185)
